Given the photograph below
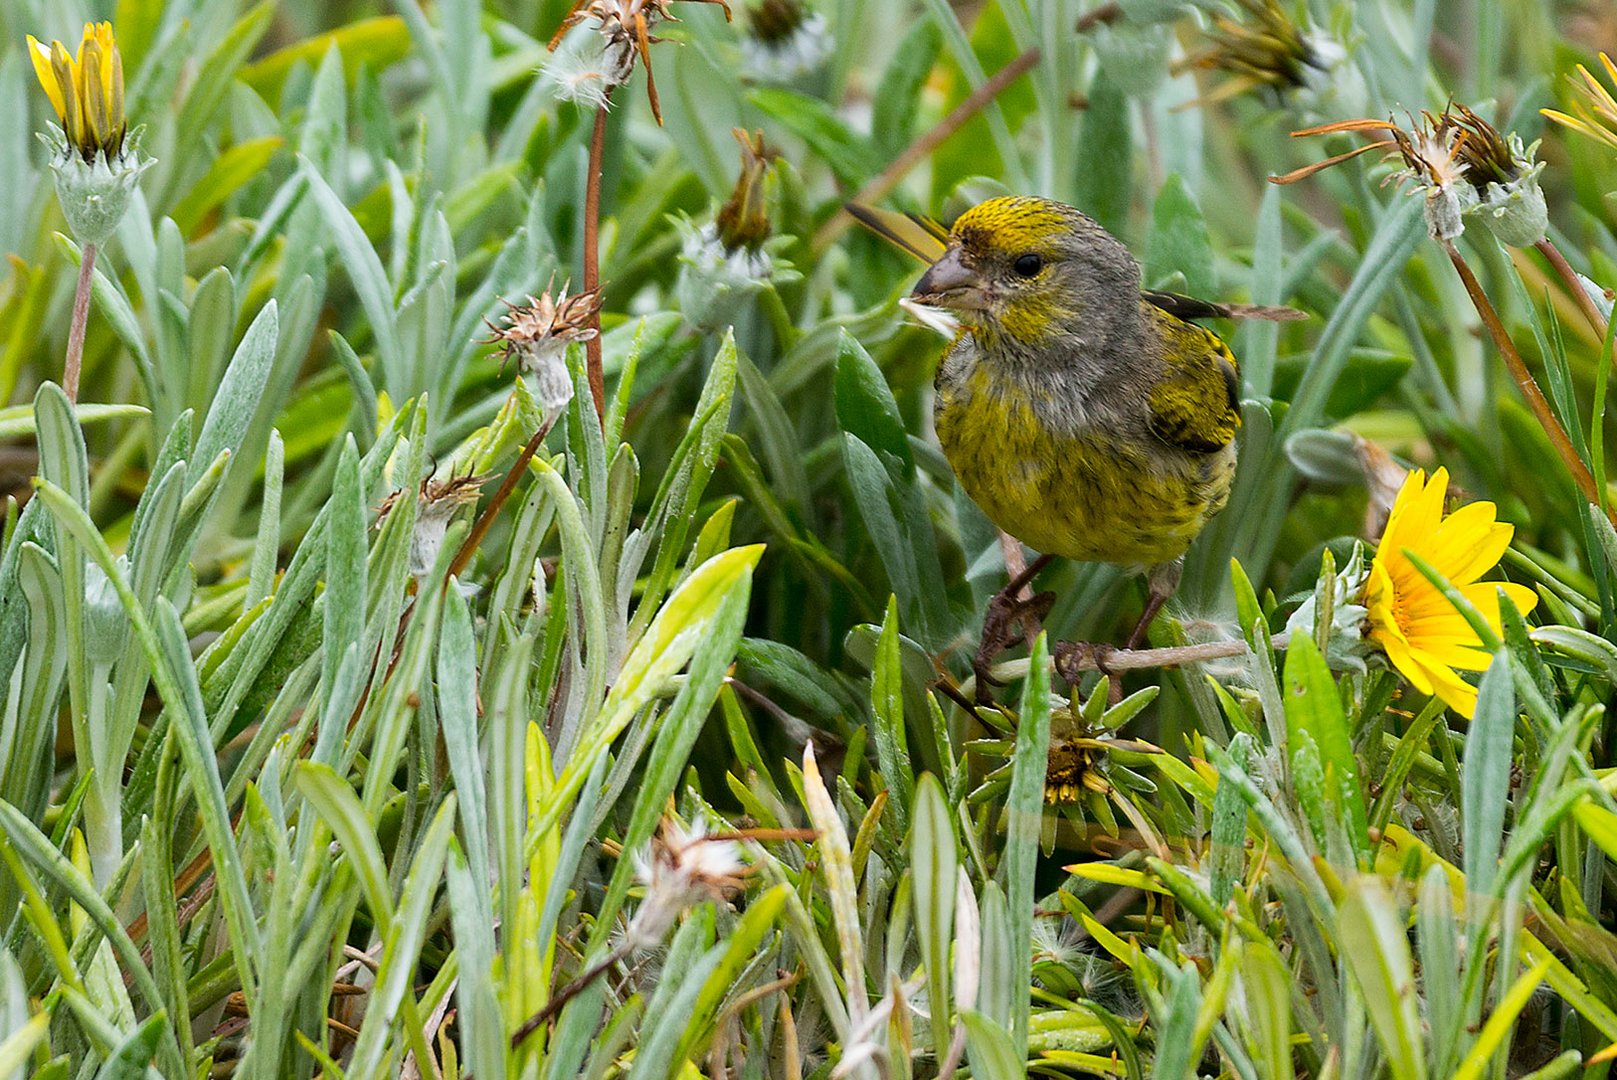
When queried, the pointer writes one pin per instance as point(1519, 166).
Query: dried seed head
point(1266, 52)
point(1461, 164)
point(536, 336)
point(437, 501)
point(680, 868)
point(625, 27)
point(785, 41)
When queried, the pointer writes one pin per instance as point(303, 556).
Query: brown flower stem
point(592, 256)
point(1574, 284)
point(81, 319)
point(485, 520)
point(1525, 381)
point(566, 994)
point(918, 150)
point(1106, 13)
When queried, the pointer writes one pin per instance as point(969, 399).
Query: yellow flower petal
point(1456, 693)
point(109, 52)
point(1424, 637)
point(1403, 659)
point(91, 100)
point(1469, 543)
point(66, 71)
point(41, 56)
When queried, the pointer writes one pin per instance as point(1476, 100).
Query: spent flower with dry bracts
point(1460, 163)
point(729, 259)
point(1269, 52)
point(1089, 768)
point(621, 35)
point(681, 867)
point(95, 161)
point(536, 335)
point(785, 40)
point(438, 500)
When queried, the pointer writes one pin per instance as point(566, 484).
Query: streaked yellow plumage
point(1092, 496)
point(1084, 419)
point(1089, 418)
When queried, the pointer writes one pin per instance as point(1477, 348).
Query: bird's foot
point(1073, 658)
point(1005, 612)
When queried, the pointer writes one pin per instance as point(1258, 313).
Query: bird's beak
point(950, 283)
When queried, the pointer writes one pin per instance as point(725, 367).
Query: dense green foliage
point(303, 774)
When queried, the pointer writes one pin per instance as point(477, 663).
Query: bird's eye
point(1028, 265)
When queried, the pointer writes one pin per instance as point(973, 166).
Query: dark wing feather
point(1188, 307)
point(1197, 405)
point(915, 233)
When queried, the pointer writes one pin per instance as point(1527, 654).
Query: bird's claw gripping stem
point(1073, 658)
point(1005, 611)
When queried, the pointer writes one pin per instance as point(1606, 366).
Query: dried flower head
point(536, 336)
point(1075, 766)
point(1462, 165)
point(680, 868)
point(743, 220)
point(1266, 52)
point(732, 257)
point(437, 501)
point(785, 41)
point(625, 29)
point(1594, 109)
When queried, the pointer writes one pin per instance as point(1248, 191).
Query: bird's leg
point(1153, 604)
point(1005, 610)
point(1071, 656)
point(1161, 582)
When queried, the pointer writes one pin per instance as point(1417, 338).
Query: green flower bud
point(95, 194)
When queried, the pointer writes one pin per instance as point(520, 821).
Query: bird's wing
point(1188, 307)
point(915, 233)
point(1196, 404)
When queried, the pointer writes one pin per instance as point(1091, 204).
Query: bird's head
point(1030, 268)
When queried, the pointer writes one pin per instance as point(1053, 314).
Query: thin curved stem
point(1574, 284)
point(1525, 381)
point(890, 177)
point(592, 256)
point(1118, 660)
point(81, 318)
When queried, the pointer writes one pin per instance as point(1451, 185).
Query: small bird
point(1089, 418)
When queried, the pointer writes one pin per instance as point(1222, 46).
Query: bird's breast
point(1069, 478)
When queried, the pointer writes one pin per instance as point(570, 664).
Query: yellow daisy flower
point(1424, 637)
point(87, 90)
point(1595, 108)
